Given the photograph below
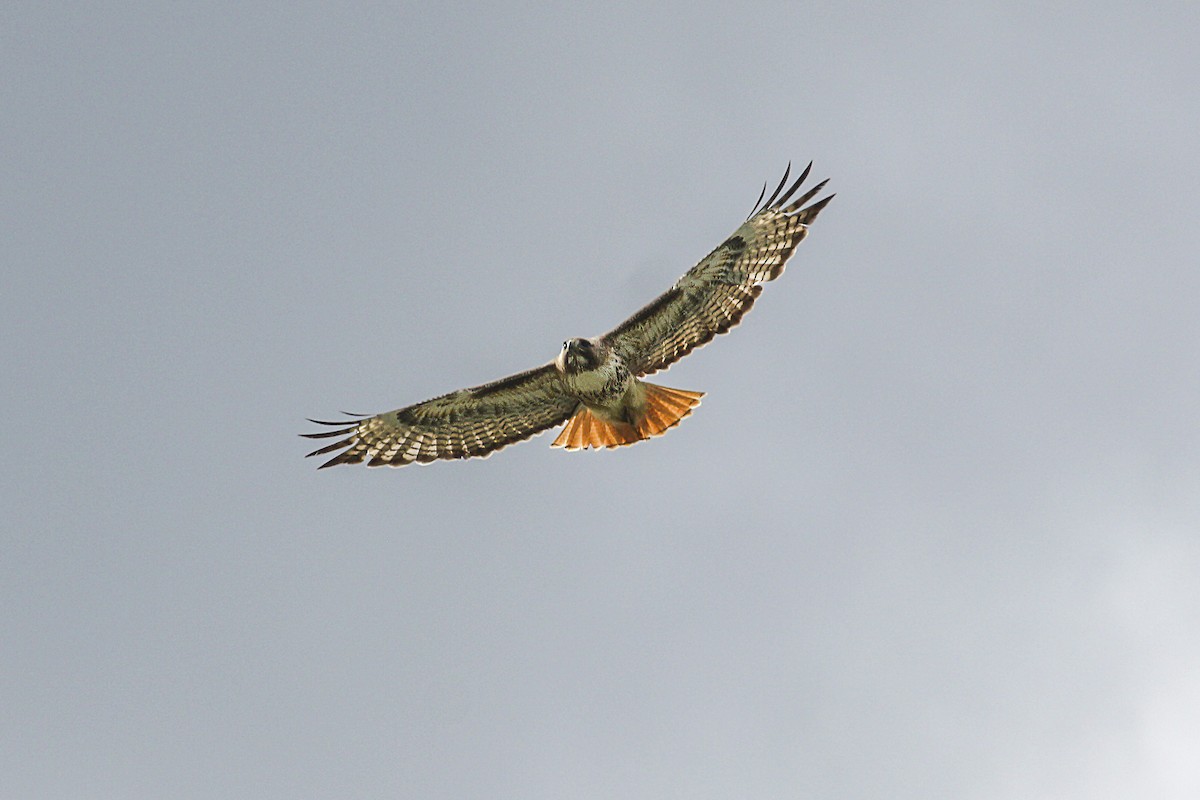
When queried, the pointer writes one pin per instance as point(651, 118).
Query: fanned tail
point(586, 430)
point(665, 408)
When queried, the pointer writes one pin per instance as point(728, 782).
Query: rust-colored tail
point(665, 408)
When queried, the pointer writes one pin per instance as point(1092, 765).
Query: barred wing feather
point(462, 424)
point(714, 295)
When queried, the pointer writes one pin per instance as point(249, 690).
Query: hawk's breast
point(595, 386)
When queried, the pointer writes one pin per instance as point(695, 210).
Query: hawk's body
point(617, 408)
point(594, 384)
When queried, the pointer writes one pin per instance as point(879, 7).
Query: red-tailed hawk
point(594, 384)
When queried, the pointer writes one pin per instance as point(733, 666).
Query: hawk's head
point(580, 355)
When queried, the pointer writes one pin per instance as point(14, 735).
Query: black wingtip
point(816, 207)
point(781, 198)
point(792, 189)
point(347, 457)
point(345, 427)
point(354, 418)
point(782, 182)
point(329, 434)
point(758, 202)
point(329, 448)
point(798, 204)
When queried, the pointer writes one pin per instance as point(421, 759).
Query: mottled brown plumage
point(595, 383)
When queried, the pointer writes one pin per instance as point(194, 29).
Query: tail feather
point(665, 408)
point(581, 433)
point(586, 430)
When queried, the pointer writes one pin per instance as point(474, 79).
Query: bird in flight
point(594, 385)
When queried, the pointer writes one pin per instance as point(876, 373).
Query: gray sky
point(934, 532)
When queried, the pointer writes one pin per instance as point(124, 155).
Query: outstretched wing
point(462, 424)
point(713, 296)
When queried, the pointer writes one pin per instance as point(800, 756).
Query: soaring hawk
point(594, 385)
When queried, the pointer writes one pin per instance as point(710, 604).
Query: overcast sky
point(934, 532)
